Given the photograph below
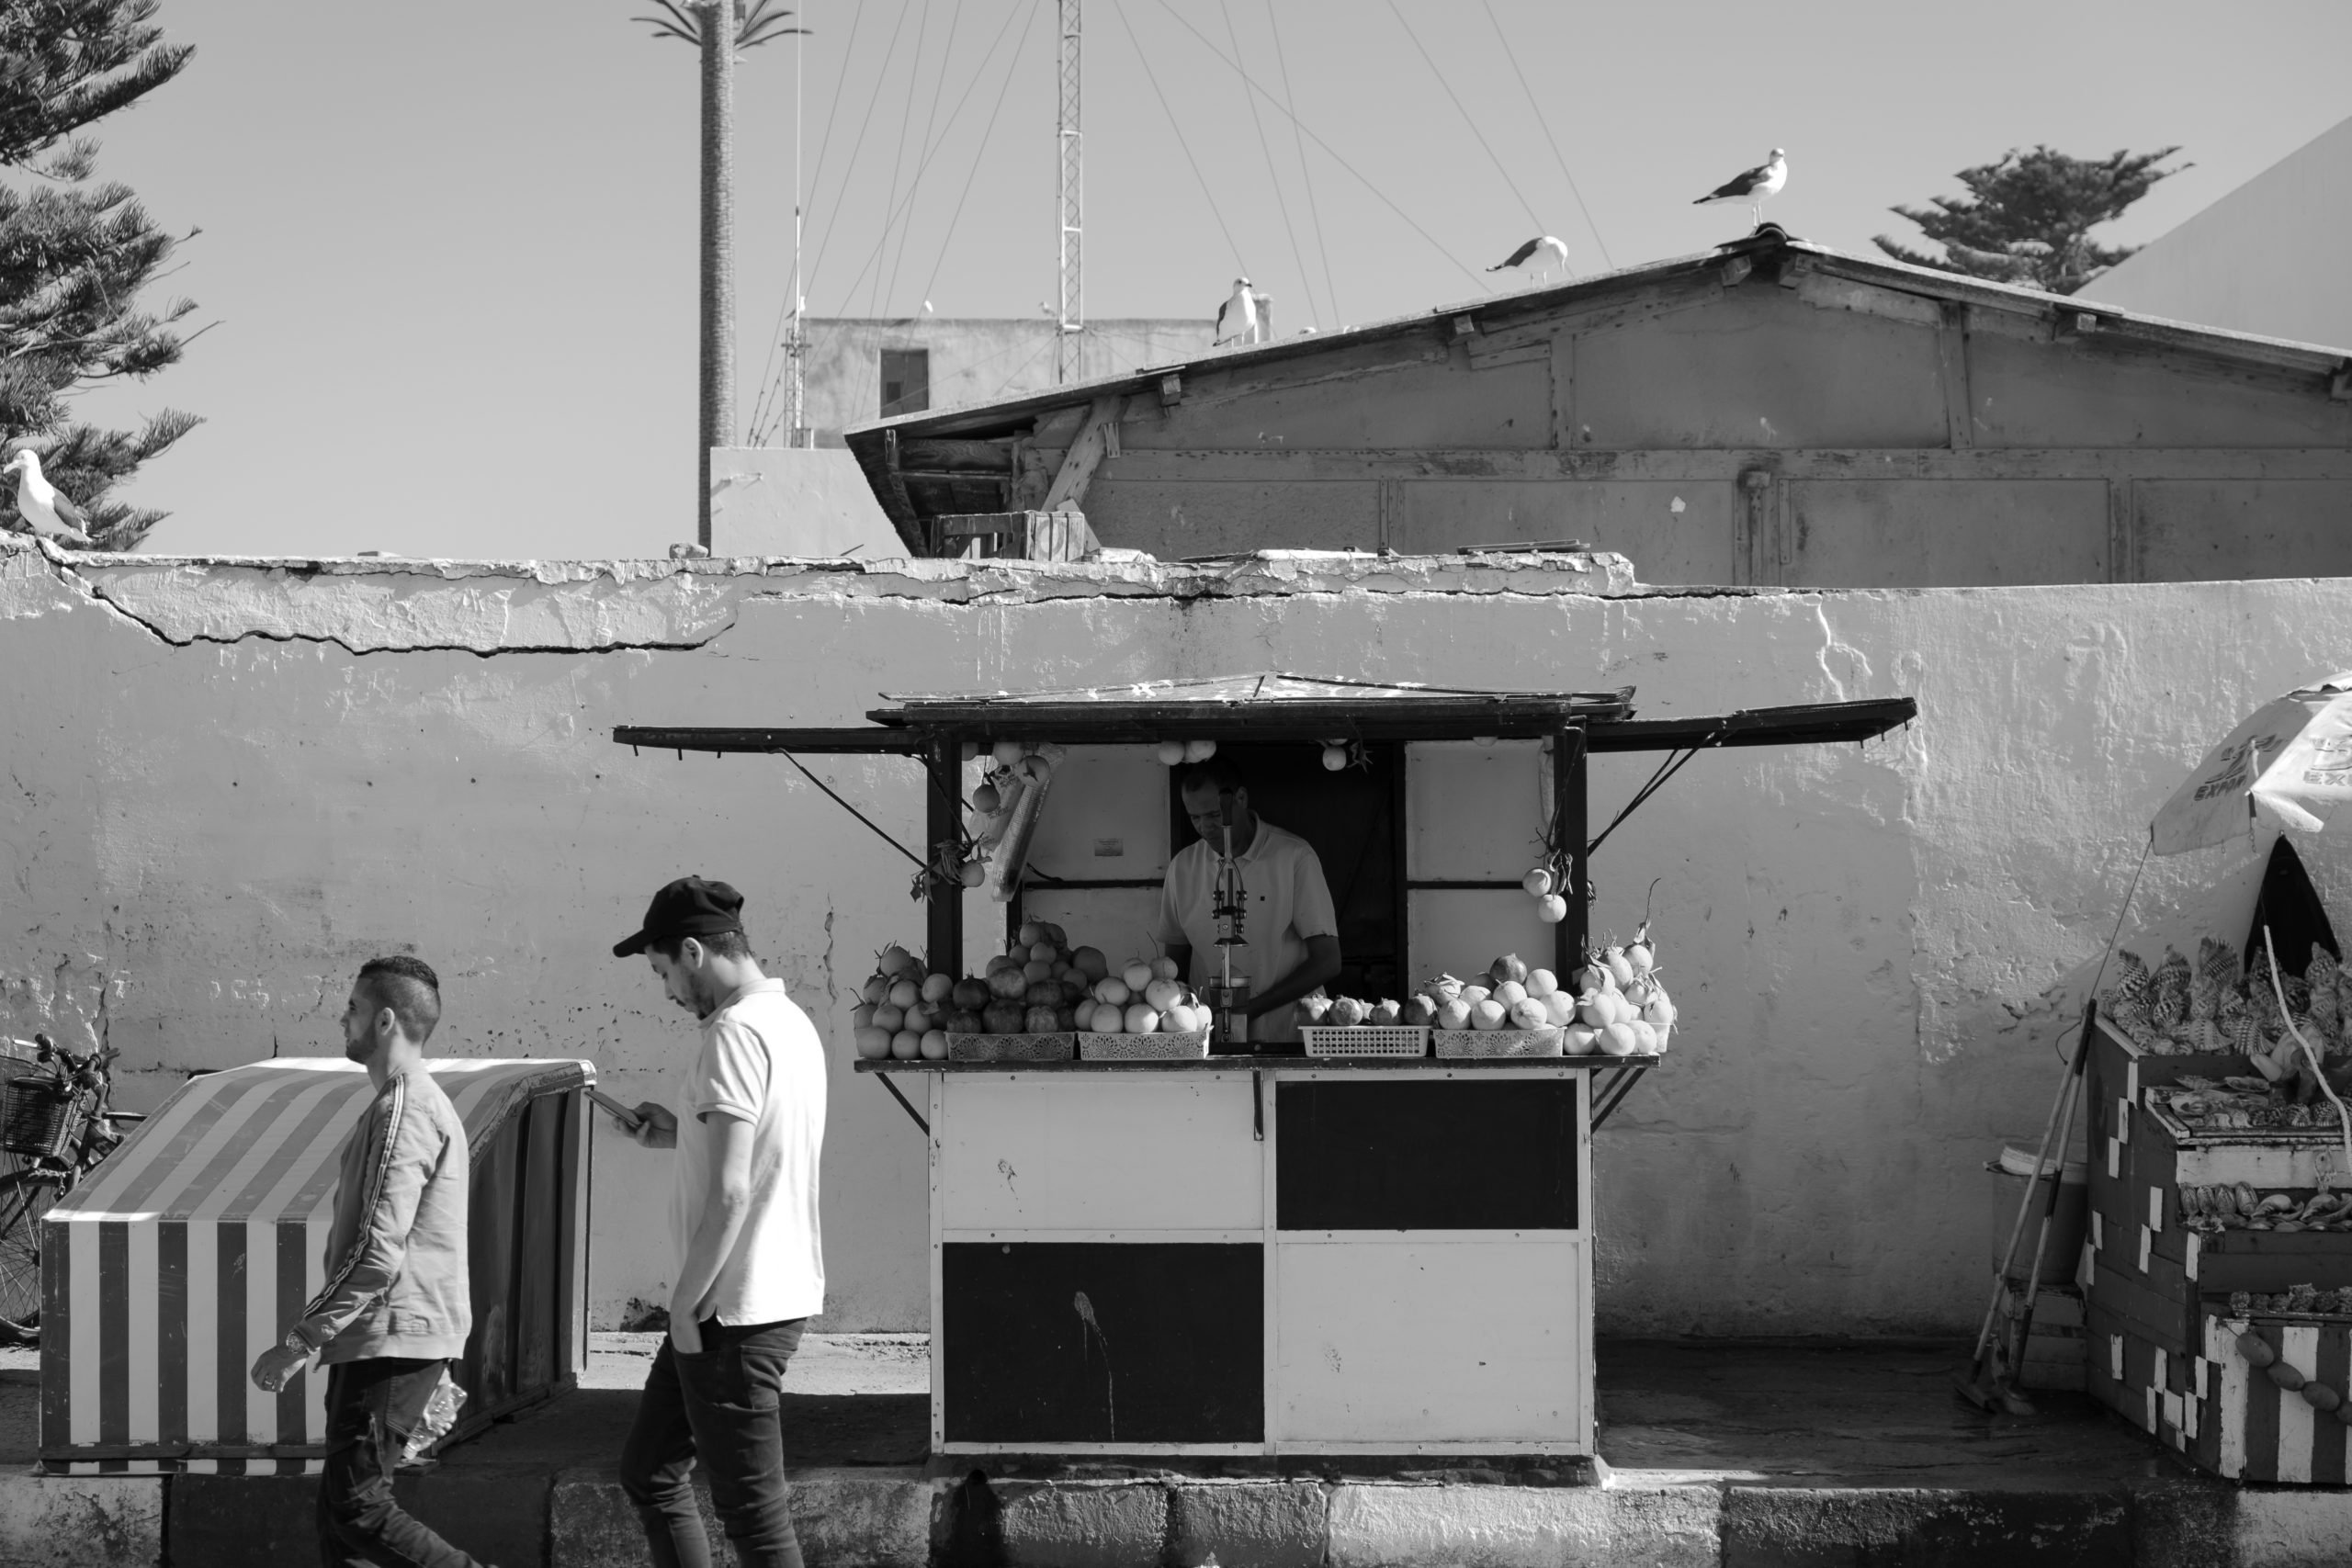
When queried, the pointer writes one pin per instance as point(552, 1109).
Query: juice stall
point(1373, 1239)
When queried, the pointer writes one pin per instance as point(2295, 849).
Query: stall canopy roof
point(1272, 704)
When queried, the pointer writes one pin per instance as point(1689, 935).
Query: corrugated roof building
point(1772, 411)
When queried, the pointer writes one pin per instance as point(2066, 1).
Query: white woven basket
point(1143, 1048)
point(1012, 1047)
point(1366, 1040)
point(1550, 1041)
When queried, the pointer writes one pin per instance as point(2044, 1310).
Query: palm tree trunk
point(717, 368)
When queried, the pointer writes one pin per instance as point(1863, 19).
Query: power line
point(938, 91)
point(832, 113)
point(1011, 64)
point(1119, 11)
point(889, 52)
point(897, 159)
point(1511, 55)
point(1274, 24)
point(1332, 152)
point(1466, 119)
point(873, 255)
point(1266, 151)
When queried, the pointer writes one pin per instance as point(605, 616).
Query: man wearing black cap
point(749, 1127)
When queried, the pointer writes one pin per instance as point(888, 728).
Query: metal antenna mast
point(796, 345)
point(1070, 313)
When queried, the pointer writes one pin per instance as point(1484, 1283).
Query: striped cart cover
point(186, 1254)
point(2251, 1428)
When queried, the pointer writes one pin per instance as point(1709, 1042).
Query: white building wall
point(2266, 258)
point(227, 784)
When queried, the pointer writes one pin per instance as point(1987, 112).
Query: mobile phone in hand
point(628, 1114)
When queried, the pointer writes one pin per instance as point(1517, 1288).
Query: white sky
point(449, 248)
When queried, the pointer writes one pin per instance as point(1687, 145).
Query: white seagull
point(1237, 319)
point(1537, 258)
point(1753, 188)
point(48, 514)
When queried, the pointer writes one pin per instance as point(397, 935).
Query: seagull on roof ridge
point(47, 511)
point(1753, 187)
point(1537, 258)
point(1237, 319)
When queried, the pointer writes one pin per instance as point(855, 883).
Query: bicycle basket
point(36, 1116)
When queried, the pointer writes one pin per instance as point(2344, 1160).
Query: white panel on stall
point(1460, 933)
point(1397, 1339)
point(1079, 1152)
point(1107, 818)
point(1474, 811)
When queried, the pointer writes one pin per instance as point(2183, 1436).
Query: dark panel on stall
point(487, 1372)
point(537, 1288)
point(1126, 1342)
point(1424, 1155)
point(1349, 818)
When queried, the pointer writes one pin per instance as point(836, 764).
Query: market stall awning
point(1266, 704)
point(1269, 705)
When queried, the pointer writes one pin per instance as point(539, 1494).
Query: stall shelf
point(2166, 1345)
point(1269, 1254)
point(185, 1255)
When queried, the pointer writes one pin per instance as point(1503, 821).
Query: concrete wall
point(2265, 258)
point(229, 781)
point(974, 359)
point(785, 500)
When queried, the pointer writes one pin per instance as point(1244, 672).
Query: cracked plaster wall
point(229, 782)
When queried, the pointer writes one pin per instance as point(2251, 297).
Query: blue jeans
point(358, 1521)
point(721, 1407)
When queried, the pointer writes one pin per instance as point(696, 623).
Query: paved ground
point(1726, 1456)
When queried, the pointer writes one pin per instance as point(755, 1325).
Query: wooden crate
point(2160, 1336)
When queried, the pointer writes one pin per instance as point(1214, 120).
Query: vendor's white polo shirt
point(1286, 901)
point(762, 1062)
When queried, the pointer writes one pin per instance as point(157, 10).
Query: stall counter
point(1268, 1254)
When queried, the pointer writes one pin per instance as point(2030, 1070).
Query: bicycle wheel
point(25, 1197)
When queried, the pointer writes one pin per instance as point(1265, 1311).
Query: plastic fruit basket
point(1143, 1048)
point(1460, 1043)
point(1366, 1040)
point(1012, 1047)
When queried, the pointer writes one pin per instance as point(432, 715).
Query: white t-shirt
point(1285, 901)
point(761, 1062)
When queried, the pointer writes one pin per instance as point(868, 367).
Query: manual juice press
point(1229, 993)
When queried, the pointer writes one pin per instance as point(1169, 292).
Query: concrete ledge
point(845, 1519)
point(1260, 1524)
point(857, 1517)
point(75, 1521)
point(2291, 1526)
point(1770, 1526)
point(1082, 1524)
point(1517, 1526)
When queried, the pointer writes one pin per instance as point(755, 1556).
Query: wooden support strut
point(1098, 439)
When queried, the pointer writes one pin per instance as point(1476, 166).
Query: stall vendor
point(1291, 935)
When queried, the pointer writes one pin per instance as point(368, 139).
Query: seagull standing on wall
point(1237, 319)
point(1537, 258)
point(50, 513)
point(1753, 188)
